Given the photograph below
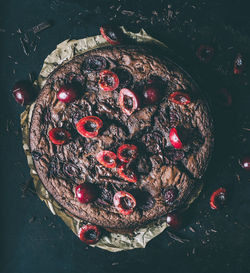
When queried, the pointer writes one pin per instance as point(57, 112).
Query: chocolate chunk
point(125, 77)
point(144, 200)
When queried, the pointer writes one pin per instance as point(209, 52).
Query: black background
point(32, 239)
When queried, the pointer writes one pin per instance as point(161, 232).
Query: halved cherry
point(128, 101)
point(89, 126)
point(127, 174)
point(175, 139)
point(127, 152)
point(107, 159)
point(124, 202)
point(205, 53)
point(108, 81)
point(179, 98)
point(239, 64)
point(89, 234)
point(59, 136)
point(218, 198)
point(111, 34)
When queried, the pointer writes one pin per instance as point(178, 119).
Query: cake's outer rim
point(56, 209)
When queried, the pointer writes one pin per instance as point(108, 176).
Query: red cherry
point(23, 92)
point(111, 34)
point(59, 136)
point(218, 198)
point(108, 81)
point(67, 94)
point(151, 94)
point(179, 98)
point(85, 193)
point(174, 220)
point(128, 101)
point(205, 53)
point(245, 162)
point(175, 139)
point(107, 159)
point(124, 202)
point(239, 64)
point(89, 126)
point(127, 174)
point(89, 234)
point(127, 152)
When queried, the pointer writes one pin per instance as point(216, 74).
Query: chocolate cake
point(121, 137)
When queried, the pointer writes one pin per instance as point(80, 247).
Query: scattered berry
point(85, 193)
point(218, 198)
point(67, 94)
point(89, 234)
point(245, 162)
point(23, 92)
point(107, 159)
point(108, 81)
point(89, 126)
point(174, 220)
point(128, 101)
point(127, 152)
point(124, 202)
point(151, 94)
point(179, 98)
point(59, 136)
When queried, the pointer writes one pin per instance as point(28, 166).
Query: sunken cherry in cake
point(120, 137)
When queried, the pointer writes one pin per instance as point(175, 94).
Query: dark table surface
point(32, 239)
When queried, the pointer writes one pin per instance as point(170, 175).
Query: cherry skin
point(151, 95)
point(245, 162)
point(67, 94)
point(23, 92)
point(89, 234)
point(85, 193)
point(174, 220)
point(175, 139)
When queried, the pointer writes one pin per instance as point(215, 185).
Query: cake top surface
point(155, 124)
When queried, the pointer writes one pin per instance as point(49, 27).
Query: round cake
point(121, 137)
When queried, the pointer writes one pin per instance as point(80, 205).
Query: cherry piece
point(89, 126)
point(205, 53)
point(85, 193)
point(108, 81)
point(179, 98)
point(112, 34)
point(175, 139)
point(23, 92)
point(128, 101)
point(239, 64)
point(245, 162)
point(67, 94)
point(127, 174)
point(107, 159)
point(127, 152)
point(218, 198)
point(151, 94)
point(170, 195)
point(59, 136)
point(94, 63)
point(174, 220)
point(224, 98)
point(89, 234)
point(124, 202)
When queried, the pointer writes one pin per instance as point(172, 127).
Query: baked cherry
point(107, 159)
point(179, 98)
point(151, 94)
point(111, 34)
point(175, 139)
point(124, 202)
point(170, 195)
point(108, 80)
point(218, 198)
point(89, 126)
point(23, 92)
point(127, 174)
point(205, 53)
point(67, 93)
point(128, 101)
point(94, 63)
point(174, 220)
point(245, 162)
point(85, 193)
point(223, 97)
point(127, 152)
point(239, 64)
point(59, 136)
point(89, 234)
